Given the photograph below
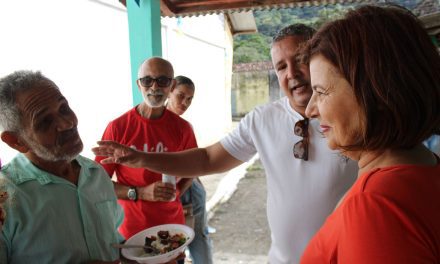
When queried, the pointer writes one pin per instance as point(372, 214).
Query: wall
point(83, 47)
point(199, 48)
point(249, 89)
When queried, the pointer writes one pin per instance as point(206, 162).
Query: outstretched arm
point(189, 163)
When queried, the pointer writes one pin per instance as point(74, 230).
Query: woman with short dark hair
point(375, 76)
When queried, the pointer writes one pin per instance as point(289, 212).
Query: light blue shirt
point(50, 220)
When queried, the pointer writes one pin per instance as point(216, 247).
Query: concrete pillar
point(144, 31)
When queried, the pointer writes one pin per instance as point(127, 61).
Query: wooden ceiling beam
point(166, 8)
point(227, 3)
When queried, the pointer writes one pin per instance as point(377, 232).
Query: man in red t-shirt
point(149, 127)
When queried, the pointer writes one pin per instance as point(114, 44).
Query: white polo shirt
point(300, 194)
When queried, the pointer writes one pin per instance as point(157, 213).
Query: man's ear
point(14, 141)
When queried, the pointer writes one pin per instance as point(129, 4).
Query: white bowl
point(139, 239)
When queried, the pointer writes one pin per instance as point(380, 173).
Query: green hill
point(256, 47)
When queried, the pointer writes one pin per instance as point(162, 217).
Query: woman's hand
point(118, 153)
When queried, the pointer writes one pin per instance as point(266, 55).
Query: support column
point(144, 31)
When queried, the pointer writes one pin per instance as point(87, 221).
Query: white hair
point(10, 86)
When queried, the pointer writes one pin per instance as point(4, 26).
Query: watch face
point(131, 194)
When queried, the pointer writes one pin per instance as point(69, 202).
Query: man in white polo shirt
point(305, 179)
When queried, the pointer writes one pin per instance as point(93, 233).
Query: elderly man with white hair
point(64, 208)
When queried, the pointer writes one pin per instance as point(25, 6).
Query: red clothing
point(391, 215)
point(169, 133)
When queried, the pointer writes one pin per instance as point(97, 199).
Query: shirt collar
point(21, 169)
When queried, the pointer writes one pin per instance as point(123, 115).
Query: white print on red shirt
point(159, 148)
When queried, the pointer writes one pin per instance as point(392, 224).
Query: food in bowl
point(138, 254)
point(164, 242)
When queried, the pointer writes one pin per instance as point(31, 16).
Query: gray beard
point(153, 104)
point(46, 154)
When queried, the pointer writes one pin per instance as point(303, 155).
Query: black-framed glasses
point(301, 148)
point(161, 81)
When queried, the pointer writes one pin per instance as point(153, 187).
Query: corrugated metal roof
point(238, 6)
point(235, 9)
point(184, 8)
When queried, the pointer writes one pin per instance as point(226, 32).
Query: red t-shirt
point(390, 216)
point(169, 133)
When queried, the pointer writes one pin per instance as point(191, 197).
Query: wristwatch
point(132, 193)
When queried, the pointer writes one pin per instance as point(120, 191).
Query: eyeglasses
point(301, 148)
point(161, 81)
